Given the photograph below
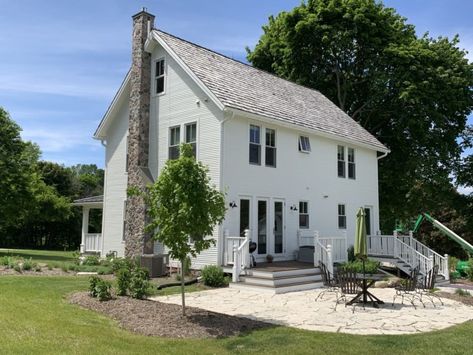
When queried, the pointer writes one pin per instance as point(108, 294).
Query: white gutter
point(383, 155)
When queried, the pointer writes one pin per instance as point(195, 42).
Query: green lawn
point(40, 256)
point(36, 319)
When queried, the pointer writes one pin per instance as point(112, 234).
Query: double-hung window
point(174, 141)
point(191, 136)
point(304, 144)
point(159, 76)
point(341, 161)
point(270, 157)
point(304, 214)
point(351, 163)
point(255, 145)
point(342, 217)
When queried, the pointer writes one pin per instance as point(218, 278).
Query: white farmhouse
point(289, 160)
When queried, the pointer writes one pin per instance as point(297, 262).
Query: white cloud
point(55, 141)
point(465, 190)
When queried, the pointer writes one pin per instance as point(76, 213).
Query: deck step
point(301, 286)
point(280, 274)
point(281, 281)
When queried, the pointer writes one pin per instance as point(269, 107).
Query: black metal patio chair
point(349, 285)
point(408, 288)
point(427, 285)
point(329, 282)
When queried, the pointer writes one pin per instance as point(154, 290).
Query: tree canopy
point(36, 195)
point(412, 92)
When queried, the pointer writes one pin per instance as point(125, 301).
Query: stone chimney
point(138, 135)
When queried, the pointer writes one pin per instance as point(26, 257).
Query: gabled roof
point(243, 87)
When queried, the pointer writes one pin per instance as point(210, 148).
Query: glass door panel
point(262, 226)
point(278, 227)
point(244, 216)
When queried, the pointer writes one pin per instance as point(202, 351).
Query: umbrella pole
point(364, 282)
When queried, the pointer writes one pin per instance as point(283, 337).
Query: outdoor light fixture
point(293, 208)
point(233, 204)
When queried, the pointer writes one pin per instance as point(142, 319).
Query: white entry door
point(269, 216)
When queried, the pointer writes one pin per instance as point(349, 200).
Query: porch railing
point(230, 244)
point(93, 242)
point(381, 245)
point(330, 250)
point(241, 257)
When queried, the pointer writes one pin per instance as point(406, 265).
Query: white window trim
point(301, 150)
point(348, 163)
point(261, 128)
point(184, 133)
point(338, 215)
point(169, 138)
point(307, 213)
point(165, 75)
point(275, 148)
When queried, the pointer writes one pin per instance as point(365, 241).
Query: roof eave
point(100, 132)
point(321, 133)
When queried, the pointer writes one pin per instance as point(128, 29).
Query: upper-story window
point(191, 136)
point(270, 156)
point(303, 214)
point(174, 141)
point(304, 144)
point(342, 217)
point(159, 76)
point(351, 163)
point(341, 161)
point(255, 145)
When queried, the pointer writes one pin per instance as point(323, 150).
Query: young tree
point(412, 93)
point(184, 208)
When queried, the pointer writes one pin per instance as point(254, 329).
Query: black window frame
point(186, 138)
point(351, 163)
point(341, 169)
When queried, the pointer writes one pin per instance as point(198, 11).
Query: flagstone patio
point(300, 310)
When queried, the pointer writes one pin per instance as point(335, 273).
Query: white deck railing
point(409, 250)
point(241, 257)
point(230, 244)
point(93, 242)
point(330, 250)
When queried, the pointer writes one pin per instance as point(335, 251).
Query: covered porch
point(91, 235)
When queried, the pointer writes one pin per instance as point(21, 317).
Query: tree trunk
point(182, 288)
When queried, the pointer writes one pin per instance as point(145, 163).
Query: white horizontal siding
point(115, 180)
point(184, 102)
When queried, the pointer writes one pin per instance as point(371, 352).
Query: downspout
point(383, 155)
point(104, 144)
point(222, 145)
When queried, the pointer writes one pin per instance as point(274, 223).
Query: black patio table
point(368, 281)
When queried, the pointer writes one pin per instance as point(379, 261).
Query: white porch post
point(85, 227)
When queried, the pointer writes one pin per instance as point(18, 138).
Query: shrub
point(462, 293)
point(469, 270)
point(139, 283)
point(17, 268)
point(371, 266)
point(93, 281)
point(103, 290)
point(122, 263)
point(91, 260)
point(72, 267)
point(27, 264)
point(49, 266)
point(64, 267)
point(37, 268)
point(123, 281)
point(213, 276)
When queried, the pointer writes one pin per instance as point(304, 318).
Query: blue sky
point(62, 61)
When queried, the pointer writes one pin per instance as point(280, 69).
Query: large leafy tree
point(184, 208)
point(413, 93)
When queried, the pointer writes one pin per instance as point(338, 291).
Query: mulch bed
point(154, 318)
point(44, 272)
point(453, 296)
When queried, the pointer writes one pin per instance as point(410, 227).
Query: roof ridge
point(238, 61)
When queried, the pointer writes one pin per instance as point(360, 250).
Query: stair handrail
point(322, 253)
point(414, 259)
point(241, 257)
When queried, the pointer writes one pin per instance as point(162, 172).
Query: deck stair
point(280, 279)
point(405, 253)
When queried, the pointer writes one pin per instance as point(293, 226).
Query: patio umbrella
point(361, 250)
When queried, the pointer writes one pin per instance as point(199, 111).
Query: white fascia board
point(100, 132)
point(299, 128)
point(186, 69)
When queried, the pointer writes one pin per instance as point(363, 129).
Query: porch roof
point(91, 201)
